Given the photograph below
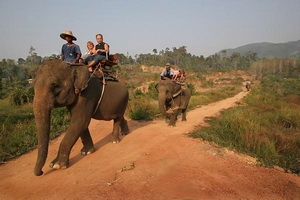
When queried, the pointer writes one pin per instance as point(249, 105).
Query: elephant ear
point(81, 78)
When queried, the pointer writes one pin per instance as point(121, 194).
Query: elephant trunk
point(162, 104)
point(42, 118)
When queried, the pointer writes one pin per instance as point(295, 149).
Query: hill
point(269, 50)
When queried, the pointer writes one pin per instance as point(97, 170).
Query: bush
point(192, 88)
point(21, 95)
point(152, 92)
point(18, 132)
point(141, 109)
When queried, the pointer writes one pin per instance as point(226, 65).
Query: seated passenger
point(91, 51)
point(167, 73)
point(179, 75)
point(90, 54)
point(101, 50)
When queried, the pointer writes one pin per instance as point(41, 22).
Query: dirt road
point(153, 162)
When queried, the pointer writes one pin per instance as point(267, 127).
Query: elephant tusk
point(177, 93)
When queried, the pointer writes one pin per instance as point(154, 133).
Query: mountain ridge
point(268, 50)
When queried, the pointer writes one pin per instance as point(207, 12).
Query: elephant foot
point(38, 172)
point(125, 132)
point(115, 141)
point(115, 137)
point(87, 151)
point(167, 120)
point(172, 125)
point(58, 165)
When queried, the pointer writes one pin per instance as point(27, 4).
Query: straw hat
point(168, 65)
point(68, 33)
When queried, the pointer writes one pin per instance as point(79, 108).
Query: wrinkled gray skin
point(166, 100)
point(58, 84)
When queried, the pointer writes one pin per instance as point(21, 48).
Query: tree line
point(20, 71)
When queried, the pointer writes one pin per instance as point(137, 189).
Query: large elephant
point(173, 97)
point(58, 84)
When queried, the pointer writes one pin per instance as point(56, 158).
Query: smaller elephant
point(173, 97)
point(248, 85)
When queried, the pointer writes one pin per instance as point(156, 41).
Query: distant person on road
point(248, 85)
point(167, 73)
point(70, 52)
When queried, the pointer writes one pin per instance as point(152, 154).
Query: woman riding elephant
point(59, 84)
point(171, 98)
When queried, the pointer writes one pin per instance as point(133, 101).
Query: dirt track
point(153, 162)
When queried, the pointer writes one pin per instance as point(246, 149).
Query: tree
point(155, 51)
point(33, 58)
point(21, 61)
point(235, 59)
point(31, 51)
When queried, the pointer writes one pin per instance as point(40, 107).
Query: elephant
point(59, 84)
point(248, 85)
point(173, 97)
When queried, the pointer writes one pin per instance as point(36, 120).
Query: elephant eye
point(56, 88)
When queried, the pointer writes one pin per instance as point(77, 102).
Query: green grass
point(268, 127)
point(214, 95)
point(18, 131)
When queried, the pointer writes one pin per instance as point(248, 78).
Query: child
point(89, 55)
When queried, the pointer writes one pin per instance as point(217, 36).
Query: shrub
point(18, 132)
point(152, 92)
point(21, 95)
point(138, 92)
point(141, 109)
point(192, 88)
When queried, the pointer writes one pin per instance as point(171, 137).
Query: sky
point(134, 27)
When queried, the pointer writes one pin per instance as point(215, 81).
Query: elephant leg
point(71, 136)
point(124, 126)
point(62, 159)
point(183, 117)
point(88, 145)
point(183, 104)
point(115, 134)
point(167, 119)
point(172, 120)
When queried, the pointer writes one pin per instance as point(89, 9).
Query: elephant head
point(166, 91)
point(56, 84)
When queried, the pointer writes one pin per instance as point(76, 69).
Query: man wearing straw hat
point(167, 73)
point(70, 52)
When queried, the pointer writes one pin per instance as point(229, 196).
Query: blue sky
point(136, 26)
